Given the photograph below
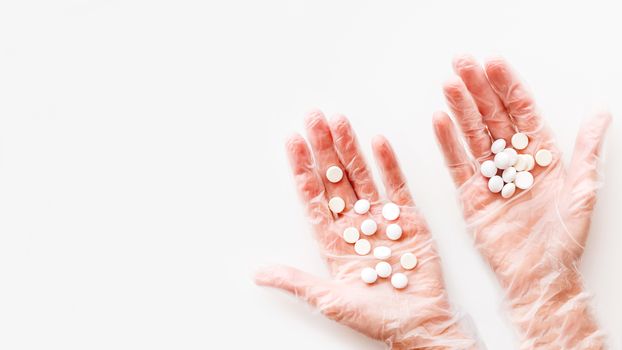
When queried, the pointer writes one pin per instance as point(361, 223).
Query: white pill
point(351, 235)
point(544, 157)
point(509, 174)
point(382, 252)
point(524, 180)
point(334, 174)
point(495, 184)
point(336, 205)
point(369, 275)
point(362, 247)
point(502, 160)
point(520, 141)
point(508, 190)
point(531, 163)
point(390, 211)
point(399, 280)
point(511, 152)
point(408, 261)
point(521, 163)
point(488, 168)
point(369, 227)
point(383, 269)
point(394, 232)
point(497, 146)
point(361, 206)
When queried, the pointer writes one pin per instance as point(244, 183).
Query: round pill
point(520, 141)
point(394, 232)
point(531, 163)
point(383, 269)
point(511, 152)
point(521, 163)
point(369, 227)
point(362, 247)
point(544, 157)
point(495, 184)
point(336, 205)
point(399, 280)
point(369, 275)
point(382, 252)
point(408, 261)
point(351, 235)
point(497, 146)
point(390, 211)
point(334, 174)
point(502, 160)
point(509, 174)
point(508, 190)
point(361, 206)
point(524, 180)
point(488, 168)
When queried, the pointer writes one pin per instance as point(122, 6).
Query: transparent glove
point(417, 317)
point(534, 240)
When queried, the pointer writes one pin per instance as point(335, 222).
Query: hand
point(418, 316)
point(534, 240)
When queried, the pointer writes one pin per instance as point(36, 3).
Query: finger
point(323, 149)
point(353, 159)
point(468, 117)
point(307, 181)
point(456, 158)
point(490, 106)
point(517, 100)
point(392, 177)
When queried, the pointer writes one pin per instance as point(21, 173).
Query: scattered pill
point(502, 160)
point(336, 205)
point(521, 163)
point(369, 275)
point(394, 231)
point(509, 174)
point(399, 280)
point(383, 269)
point(495, 184)
point(361, 206)
point(390, 211)
point(520, 141)
point(382, 252)
point(351, 235)
point(544, 157)
point(362, 247)
point(497, 146)
point(369, 227)
point(408, 261)
point(511, 152)
point(524, 180)
point(488, 168)
point(508, 190)
point(334, 174)
point(531, 163)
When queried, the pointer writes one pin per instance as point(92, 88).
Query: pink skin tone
point(418, 316)
point(535, 240)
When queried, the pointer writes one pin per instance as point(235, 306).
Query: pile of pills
point(510, 170)
point(369, 227)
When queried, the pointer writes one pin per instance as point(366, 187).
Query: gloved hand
point(534, 240)
point(417, 317)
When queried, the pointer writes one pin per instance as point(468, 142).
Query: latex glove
point(534, 240)
point(417, 317)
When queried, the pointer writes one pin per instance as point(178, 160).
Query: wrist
point(456, 336)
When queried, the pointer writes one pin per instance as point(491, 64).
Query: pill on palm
point(495, 184)
point(520, 141)
point(390, 211)
point(334, 174)
point(512, 155)
point(369, 227)
point(369, 275)
point(382, 252)
point(336, 205)
point(408, 261)
point(362, 247)
point(351, 235)
point(497, 146)
point(502, 160)
point(394, 231)
point(488, 168)
point(531, 163)
point(521, 163)
point(383, 269)
point(544, 157)
point(399, 280)
point(361, 206)
point(524, 180)
point(509, 174)
point(508, 190)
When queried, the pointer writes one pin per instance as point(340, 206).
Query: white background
point(142, 172)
